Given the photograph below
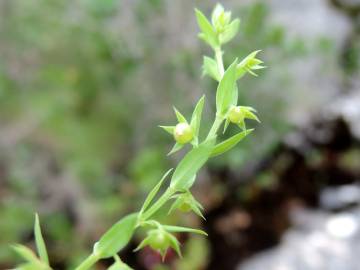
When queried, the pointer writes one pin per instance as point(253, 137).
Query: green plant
point(219, 31)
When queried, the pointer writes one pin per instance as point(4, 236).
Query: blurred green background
point(84, 85)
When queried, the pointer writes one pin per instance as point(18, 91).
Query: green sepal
point(230, 143)
point(175, 245)
point(171, 228)
point(248, 64)
point(242, 125)
point(210, 68)
point(39, 240)
point(249, 114)
point(168, 129)
point(227, 122)
point(186, 202)
point(179, 116)
point(176, 147)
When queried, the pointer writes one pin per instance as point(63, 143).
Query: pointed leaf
point(40, 244)
point(196, 116)
point(190, 165)
point(210, 68)
point(208, 33)
point(153, 192)
point(116, 237)
point(225, 90)
point(229, 143)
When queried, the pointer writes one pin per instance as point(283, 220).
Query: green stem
point(219, 60)
point(90, 261)
point(159, 203)
point(213, 130)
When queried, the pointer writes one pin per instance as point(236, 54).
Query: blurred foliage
point(83, 85)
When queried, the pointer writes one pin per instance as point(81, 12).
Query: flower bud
point(158, 240)
point(236, 115)
point(183, 133)
point(220, 18)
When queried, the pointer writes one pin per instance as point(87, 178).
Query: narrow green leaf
point(230, 31)
point(179, 116)
point(225, 90)
point(208, 33)
point(168, 129)
point(210, 68)
point(190, 165)
point(196, 116)
point(116, 237)
point(170, 228)
point(153, 192)
point(40, 244)
point(229, 143)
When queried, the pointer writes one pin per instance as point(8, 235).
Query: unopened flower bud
point(236, 115)
point(183, 133)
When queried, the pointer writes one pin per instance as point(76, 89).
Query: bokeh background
point(84, 84)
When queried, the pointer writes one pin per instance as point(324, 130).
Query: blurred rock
point(318, 241)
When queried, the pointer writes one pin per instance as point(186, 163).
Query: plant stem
point(219, 60)
point(90, 261)
point(214, 128)
point(159, 203)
